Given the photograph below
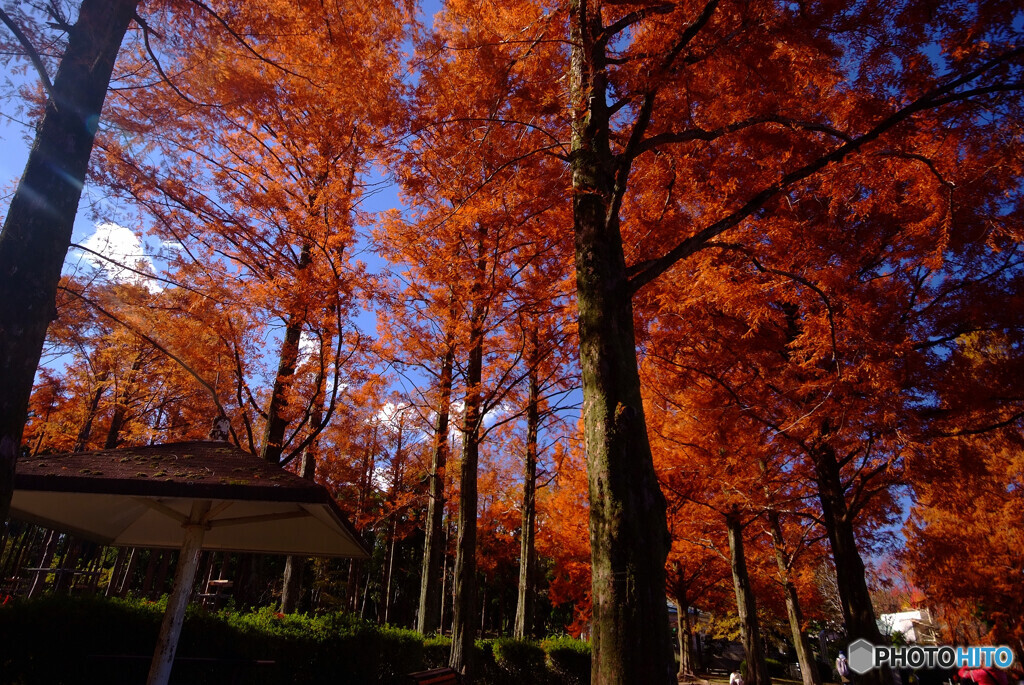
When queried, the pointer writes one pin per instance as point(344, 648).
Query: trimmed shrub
point(519, 661)
point(568, 659)
point(436, 651)
point(98, 641)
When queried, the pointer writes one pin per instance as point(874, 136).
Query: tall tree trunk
point(37, 231)
point(121, 404)
point(129, 574)
point(68, 565)
point(429, 616)
point(527, 549)
point(12, 562)
point(631, 641)
point(804, 656)
point(687, 663)
point(746, 606)
point(277, 421)
point(147, 581)
point(445, 586)
point(391, 530)
point(293, 565)
point(693, 655)
point(49, 548)
point(90, 414)
point(365, 484)
point(464, 621)
point(119, 563)
point(851, 580)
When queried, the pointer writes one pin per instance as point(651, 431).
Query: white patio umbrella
point(189, 496)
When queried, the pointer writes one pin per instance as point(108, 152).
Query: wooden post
point(184, 576)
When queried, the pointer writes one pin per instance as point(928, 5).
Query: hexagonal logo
point(862, 656)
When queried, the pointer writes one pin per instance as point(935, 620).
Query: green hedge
point(92, 640)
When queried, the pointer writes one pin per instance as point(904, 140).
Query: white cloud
point(309, 345)
point(115, 247)
point(391, 414)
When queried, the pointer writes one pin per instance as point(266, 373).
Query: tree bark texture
point(37, 231)
point(851, 579)
point(746, 606)
point(527, 549)
point(687, 661)
point(277, 420)
point(464, 610)
point(428, 618)
point(804, 655)
point(631, 640)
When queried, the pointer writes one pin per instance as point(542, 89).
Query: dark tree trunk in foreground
point(527, 549)
point(465, 618)
point(851, 580)
point(746, 606)
point(804, 656)
point(37, 231)
point(631, 642)
point(429, 617)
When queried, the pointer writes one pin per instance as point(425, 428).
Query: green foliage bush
point(518, 661)
point(92, 640)
point(568, 659)
point(436, 650)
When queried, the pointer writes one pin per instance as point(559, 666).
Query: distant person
point(982, 676)
point(735, 678)
point(843, 668)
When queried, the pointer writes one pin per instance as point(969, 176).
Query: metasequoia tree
point(717, 113)
point(964, 536)
point(255, 177)
point(488, 217)
point(689, 77)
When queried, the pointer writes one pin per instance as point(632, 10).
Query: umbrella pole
point(184, 576)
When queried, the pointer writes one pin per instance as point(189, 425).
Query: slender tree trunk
point(391, 530)
point(277, 421)
point(527, 549)
point(293, 565)
point(851, 581)
point(49, 548)
point(12, 562)
point(804, 656)
point(445, 586)
point(631, 641)
point(121, 405)
point(126, 583)
point(683, 638)
point(90, 415)
point(68, 564)
point(464, 621)
point(37, 231)
point(365, 482)
point(429, 616)
point(694, 656)
point(746, 606)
